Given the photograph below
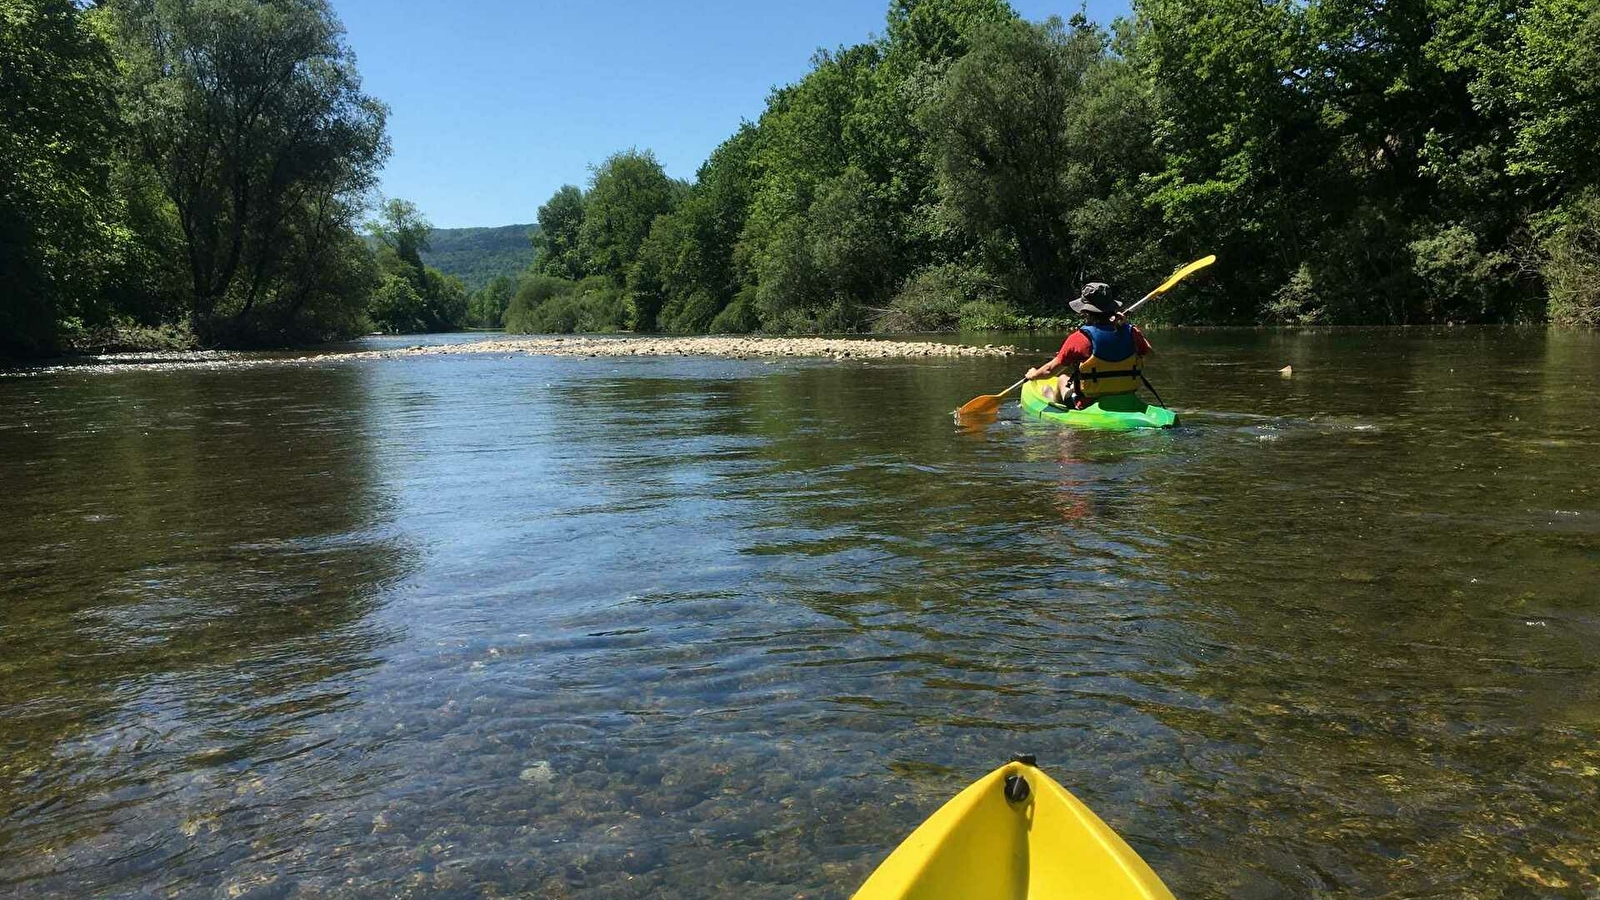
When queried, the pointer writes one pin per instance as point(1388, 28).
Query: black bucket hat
point(1096, 298)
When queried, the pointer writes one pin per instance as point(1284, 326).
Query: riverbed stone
point(538, 773)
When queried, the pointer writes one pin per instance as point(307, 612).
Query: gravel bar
point(736, 347)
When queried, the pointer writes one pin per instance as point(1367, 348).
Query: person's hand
point(1032, 374)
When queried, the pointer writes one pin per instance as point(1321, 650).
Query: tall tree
point(556, 241)
point(626, 194)
point(1014, 161)
point(403, 228)
point(249, 110)
point(685, 273)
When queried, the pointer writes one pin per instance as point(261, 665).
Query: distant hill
point(476, 255)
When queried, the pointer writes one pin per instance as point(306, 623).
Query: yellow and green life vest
point(1112, 367)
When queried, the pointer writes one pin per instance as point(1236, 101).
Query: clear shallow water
point(475, 627)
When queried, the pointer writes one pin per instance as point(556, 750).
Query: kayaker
point(1104, 356)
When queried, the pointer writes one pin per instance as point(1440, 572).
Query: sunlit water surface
point(479, 626)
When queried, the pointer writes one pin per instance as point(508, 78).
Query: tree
point(1015, 156)
point(403, 228)
point(487, 307)
point(61, 229)
point(556, 241)
point(1551, 82)
point(626, 194)
point(436, 301)
point(397, 306)
point(685, 272)
point(252, 115)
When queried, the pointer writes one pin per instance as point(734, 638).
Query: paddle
point(989, 403)
point(1167, 285)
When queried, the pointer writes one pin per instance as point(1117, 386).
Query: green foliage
point(429, 300)
point(204, 161)
point(1571, 263)
point(685, 273)
point(402, 228)
point(122, 334)
point(738, 317)
point(61, 230)
point(626, 194)
point(1001, 149)
point(397, 305)
point(546, 304)
point(933, 299)
point(533, 292)
point(252, 115)
point(1551, 80)
point(1461, 281)
point(1296, 302)
point(993, 315)
point(556, 240)
point(1354, 162)
point(486, 308)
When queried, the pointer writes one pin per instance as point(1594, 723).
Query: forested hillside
point(476, 255)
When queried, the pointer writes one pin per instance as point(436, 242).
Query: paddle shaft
point(1177, 276)
point(1146, 299)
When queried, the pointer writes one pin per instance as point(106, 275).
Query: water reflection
point(188, 581)
point(687, 628)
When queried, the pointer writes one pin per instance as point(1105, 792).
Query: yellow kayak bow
point(1014, 835)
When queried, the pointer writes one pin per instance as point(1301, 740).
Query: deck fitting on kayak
point(1027, 759)
point(1016, 788)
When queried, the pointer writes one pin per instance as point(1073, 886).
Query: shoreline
point(838, 348)
point(725, 347)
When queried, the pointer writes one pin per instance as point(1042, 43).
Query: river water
point(472, 626)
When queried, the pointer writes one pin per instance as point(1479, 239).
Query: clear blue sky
point(494, 104)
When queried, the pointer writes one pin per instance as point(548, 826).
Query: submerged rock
point(539, 773)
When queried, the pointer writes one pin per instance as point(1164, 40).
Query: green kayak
point(1115, 412)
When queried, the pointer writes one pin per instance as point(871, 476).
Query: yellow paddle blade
point(1183, 273)
point(988, 403)
point(977, 406)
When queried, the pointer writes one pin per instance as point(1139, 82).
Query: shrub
point(990, 315)
point(1462, 282)
point(1296, 302)
point(738, 317)
point(931, 300)
point(1571, 264)
point(534, 292)
point(549, 305)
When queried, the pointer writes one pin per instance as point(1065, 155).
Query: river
point(473, 626)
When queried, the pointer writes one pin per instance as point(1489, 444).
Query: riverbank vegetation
point(199, 171)
point(1350, 163)
point(194, 173)
point(178, 165)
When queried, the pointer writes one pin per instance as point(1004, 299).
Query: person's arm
point(1141, 344)
point(1047, 369)
point(1074, 349)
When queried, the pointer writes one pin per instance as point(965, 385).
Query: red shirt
point(1076, 349)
